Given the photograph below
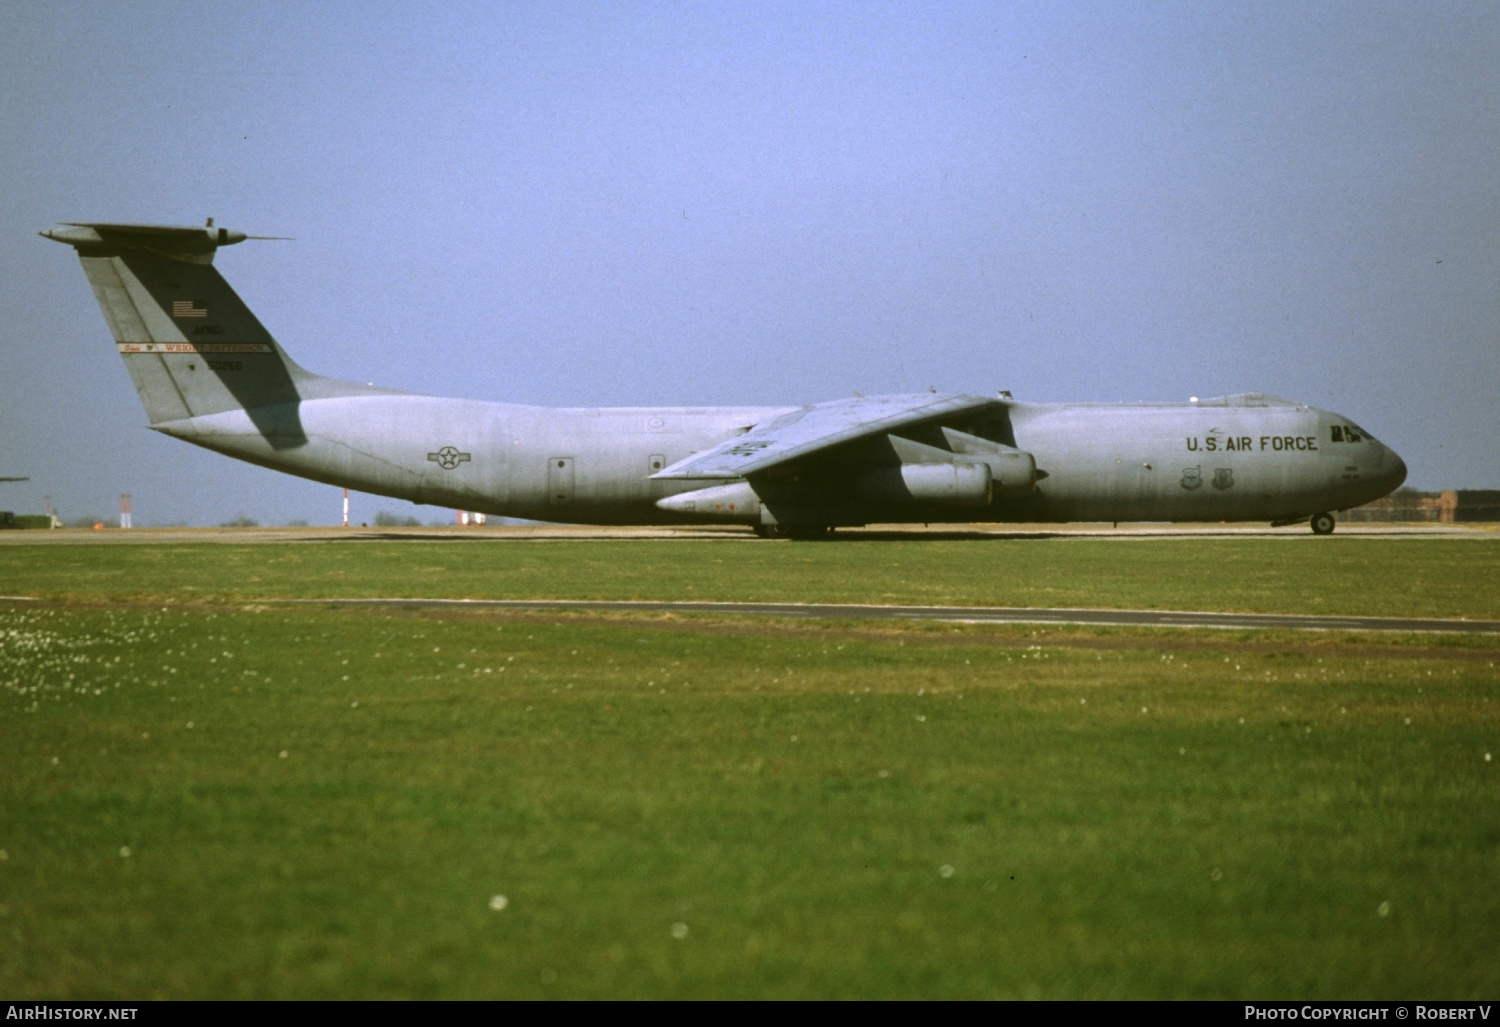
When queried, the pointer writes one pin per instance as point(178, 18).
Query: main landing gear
point(1322, 523)
point(795, 532)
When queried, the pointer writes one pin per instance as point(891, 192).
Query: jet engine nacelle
point(962, 484)
point(1013, 471)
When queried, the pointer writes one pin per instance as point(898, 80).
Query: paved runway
point(872, 533)
point(955, 614)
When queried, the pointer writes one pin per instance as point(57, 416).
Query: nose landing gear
point(1322, 523)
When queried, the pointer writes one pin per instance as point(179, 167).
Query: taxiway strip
point(954, 614)
point(709, 533)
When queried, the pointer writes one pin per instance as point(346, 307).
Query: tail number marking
point(193, 347)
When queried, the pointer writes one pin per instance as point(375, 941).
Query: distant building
point(10, 519)
point(1449, 507)
point(1477, 505)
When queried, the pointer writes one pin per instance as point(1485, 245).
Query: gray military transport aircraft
point(209, 373)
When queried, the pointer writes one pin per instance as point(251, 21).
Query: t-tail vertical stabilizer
point(191, 345)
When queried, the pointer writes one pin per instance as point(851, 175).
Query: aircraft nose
point(1392, 469)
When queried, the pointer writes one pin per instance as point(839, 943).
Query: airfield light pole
point(346, 508)
point(125, 509)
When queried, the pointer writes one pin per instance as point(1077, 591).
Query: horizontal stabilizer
point(183, 242)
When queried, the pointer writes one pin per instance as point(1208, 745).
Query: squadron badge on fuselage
point(1192, 477)
point(1223, 478)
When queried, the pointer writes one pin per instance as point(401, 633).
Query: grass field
point(222, 798)
point(1355, 575)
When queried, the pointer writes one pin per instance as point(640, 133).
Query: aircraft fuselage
point(1157, 462)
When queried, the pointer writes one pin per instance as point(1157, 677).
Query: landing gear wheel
point(761, 530)
point(808, 532)
point(1322, 524)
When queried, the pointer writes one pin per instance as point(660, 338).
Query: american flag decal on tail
point(186, 308)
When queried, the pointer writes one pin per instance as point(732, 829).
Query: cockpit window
point(1349, 433)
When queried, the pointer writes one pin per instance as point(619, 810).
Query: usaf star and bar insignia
point(449, 457)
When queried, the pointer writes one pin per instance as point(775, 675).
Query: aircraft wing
point(818, 427)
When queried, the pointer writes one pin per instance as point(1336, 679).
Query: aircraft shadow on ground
point(896, 535)
point(848, 535)
point(854, 536)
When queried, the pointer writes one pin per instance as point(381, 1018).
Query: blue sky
point(662, 203)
